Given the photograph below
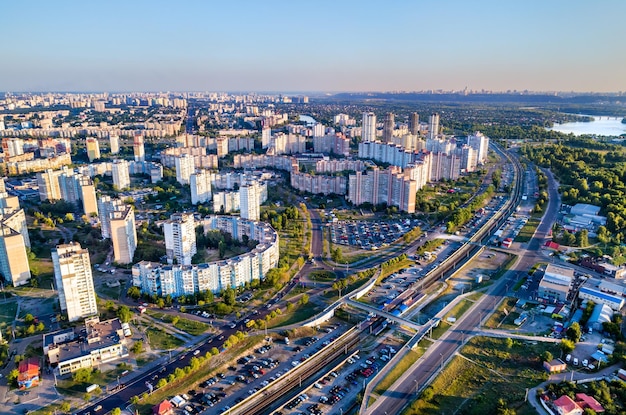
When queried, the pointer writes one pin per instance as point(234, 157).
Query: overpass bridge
point(385, 314)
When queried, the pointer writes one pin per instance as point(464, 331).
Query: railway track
point(289, 385)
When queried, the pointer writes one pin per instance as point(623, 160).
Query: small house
point(555, 366)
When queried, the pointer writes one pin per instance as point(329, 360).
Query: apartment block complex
point(177, 280)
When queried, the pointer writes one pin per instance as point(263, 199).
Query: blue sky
point(134, 45)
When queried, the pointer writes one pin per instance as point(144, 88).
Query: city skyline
point(339, 46)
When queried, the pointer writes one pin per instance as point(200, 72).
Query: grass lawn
point(322, 276)
point(298, 314)
point(7, 313)
point(161, 340)
point(459, 309)
point(195, 328)
point(491, 370)
point(77, 389)
point(393, 375)
point(528, 230)
point(499, 315)
point(475, 296)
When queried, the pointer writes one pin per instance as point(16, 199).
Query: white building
point(368, 131)
point(200, 184)
point(120, 173)
point(433, 126)
point(177, 280)
point(184, 168)
point(480, 144)
point(180, 238)
point(114, 141)
point(123, 234)
point(250, 201)
point(74, 281)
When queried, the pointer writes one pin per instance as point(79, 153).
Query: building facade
point(123, 234)
point(74, 281)
point(180, 238)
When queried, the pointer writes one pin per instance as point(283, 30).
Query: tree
point(82, 375)
point(12, 376)
point(428, 394)
point(137, 347)
point(546, 356)
point(566, 345)
point(134, 292)
point(66, 407)
point(116, 411)
point(229, 297)
point(160, 303)
point(29, 319)
point(304, 299)
point(161, 383)
point(87, 397)
point(134, 400)
point(574, 332)
point(124, 314)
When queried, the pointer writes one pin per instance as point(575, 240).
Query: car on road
point(575, 361)
point(97, 408)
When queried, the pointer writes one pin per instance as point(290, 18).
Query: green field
point(161, 340)
point(397, 371)
point(195, 328)
point(489, 370)
point(299, 313)
point(528, 230)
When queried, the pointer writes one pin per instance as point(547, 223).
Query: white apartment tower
point(123, 234)
point(107, 205)
point(433, 126)
point(200, 183)
point(184, 168)
point(138, 148)
point(480, 143)
point(48, 183)
point(74, 281)
point(368, 131)
point(121, 176)
point(114, 141)
point(250, 201)
point(180, 238)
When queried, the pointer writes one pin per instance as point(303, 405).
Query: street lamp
point(416, 385)
point(441, 354)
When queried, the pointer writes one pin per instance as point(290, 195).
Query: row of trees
point(463, 215)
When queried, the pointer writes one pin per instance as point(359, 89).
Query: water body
point(308, 119)
point(607, 126)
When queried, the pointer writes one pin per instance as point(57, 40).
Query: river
point(601, 126)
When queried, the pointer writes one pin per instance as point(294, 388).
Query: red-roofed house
point(29, 373)
point(164, 408)
point(585, 401)
point(552, 245)
point(566, 406)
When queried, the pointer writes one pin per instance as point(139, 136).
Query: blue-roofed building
point(610, 292)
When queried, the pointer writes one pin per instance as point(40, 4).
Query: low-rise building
point(610, 292)
point(28, 373)
point(98, 342)
point(556, 283)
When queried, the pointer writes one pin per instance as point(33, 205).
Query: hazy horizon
point(325, 47)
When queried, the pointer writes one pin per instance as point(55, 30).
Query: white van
point(575, 361)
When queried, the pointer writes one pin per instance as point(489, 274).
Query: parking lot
point(370, 235)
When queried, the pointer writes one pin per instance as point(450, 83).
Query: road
point(426, 368)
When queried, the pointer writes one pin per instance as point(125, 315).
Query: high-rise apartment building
point(114, 141)
point(184, 168)
point(180, 238)
point(368, 130)
point(93, 149)
point(480, 143)
point(138, 148)
point(88, 195)
point(250, 201)
point(107, 205)
point(388, 127)
point(391, 187)
point(48, 183)
point(120, 173)
point(123, 234)
point(13, 242)
point(200, 184)
point(74, 281)
point(433, 126)
point(414, 123)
